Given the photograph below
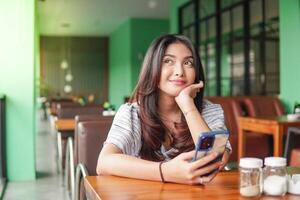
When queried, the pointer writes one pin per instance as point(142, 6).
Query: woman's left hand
point(225, 158)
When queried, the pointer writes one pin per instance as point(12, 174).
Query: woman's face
point(177, 70)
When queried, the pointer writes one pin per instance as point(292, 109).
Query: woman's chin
point(173, 93)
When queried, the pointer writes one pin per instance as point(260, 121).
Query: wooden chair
point(71, 158)
point(91, 136)
point(231, 113)
point(69, 112)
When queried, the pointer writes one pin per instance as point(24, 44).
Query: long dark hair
point(146, 95)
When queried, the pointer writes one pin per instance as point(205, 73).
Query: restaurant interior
point(66, 67)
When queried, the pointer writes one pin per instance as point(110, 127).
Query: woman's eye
point(188, 63)
point(168, 61)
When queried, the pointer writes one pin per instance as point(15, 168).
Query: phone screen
point(209, 142)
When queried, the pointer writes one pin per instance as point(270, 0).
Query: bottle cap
point(251, 162)
point(275, 161)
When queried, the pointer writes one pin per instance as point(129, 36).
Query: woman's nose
point(178, 70)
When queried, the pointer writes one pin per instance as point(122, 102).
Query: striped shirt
point(125, 132)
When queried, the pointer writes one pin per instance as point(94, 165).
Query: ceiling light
point(69, 77)
point(64, 64)
point(68, 88)
point(152, 4)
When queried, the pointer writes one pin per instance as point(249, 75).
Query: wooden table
point(65, 125)
point(275, 126)
point(62, 125)
point(224, 186)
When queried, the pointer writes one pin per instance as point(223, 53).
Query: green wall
point(174, 4)
point(17, 39)
point(289, 12)
point(119, 64)
point(141, 40)
point(37, 53)
point(128, 45)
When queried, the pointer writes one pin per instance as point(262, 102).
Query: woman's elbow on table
point(99, 168)
point(102, 165)
point(104, 161)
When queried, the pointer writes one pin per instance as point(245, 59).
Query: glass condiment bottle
point(275, 176)
point(297, 108)
point(250, 177)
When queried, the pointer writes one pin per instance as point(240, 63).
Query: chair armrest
point(70, 168)
point(81, 172)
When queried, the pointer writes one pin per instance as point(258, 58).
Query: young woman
point(153, 137)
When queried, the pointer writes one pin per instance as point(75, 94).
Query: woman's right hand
point(181, 170)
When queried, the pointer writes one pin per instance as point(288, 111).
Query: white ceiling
point(94, 17)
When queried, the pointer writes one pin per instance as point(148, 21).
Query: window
point(238, 42)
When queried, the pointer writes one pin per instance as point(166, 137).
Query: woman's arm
point(195, 121)
point(185, 101)
point(111, 161)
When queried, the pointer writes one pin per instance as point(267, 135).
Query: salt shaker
point(250, 177)
point(275, 176)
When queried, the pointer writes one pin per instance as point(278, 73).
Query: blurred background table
point(275, 126)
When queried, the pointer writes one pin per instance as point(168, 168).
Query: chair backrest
point(54, 104)
point(231, 113)
point(86, 118)
point(91, 136)
point(68, 112)
point(246, 105)
point(265, 106)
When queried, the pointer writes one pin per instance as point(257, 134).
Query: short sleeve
point(125, 130)
point(213, 115)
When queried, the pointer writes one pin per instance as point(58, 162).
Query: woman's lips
point(178, 82)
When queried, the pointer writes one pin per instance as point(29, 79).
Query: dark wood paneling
point(88, 60)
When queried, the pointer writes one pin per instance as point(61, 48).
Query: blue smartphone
point(209, 142)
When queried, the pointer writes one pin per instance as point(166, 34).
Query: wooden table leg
point(241, 143)
point(278, 141)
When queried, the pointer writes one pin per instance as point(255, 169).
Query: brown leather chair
point(91, 136)
point(231, 113)
point(69, 112)
point(54, 104)
point(262, 106)
point(235, 107)
point(246, 105)
point(65, 111)
point(265, 106)
point(85, 118)
point(71, 158)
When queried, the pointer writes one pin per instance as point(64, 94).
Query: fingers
point(201, 84)
point(196, 88)
point(207, 179)
point(203, 179)
point(197, 85)
point(205, 170)
point(203, 161)
point(187, 155)
point(190, 172)
point(225, 159)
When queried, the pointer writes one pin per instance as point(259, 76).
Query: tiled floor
point(48, 185)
